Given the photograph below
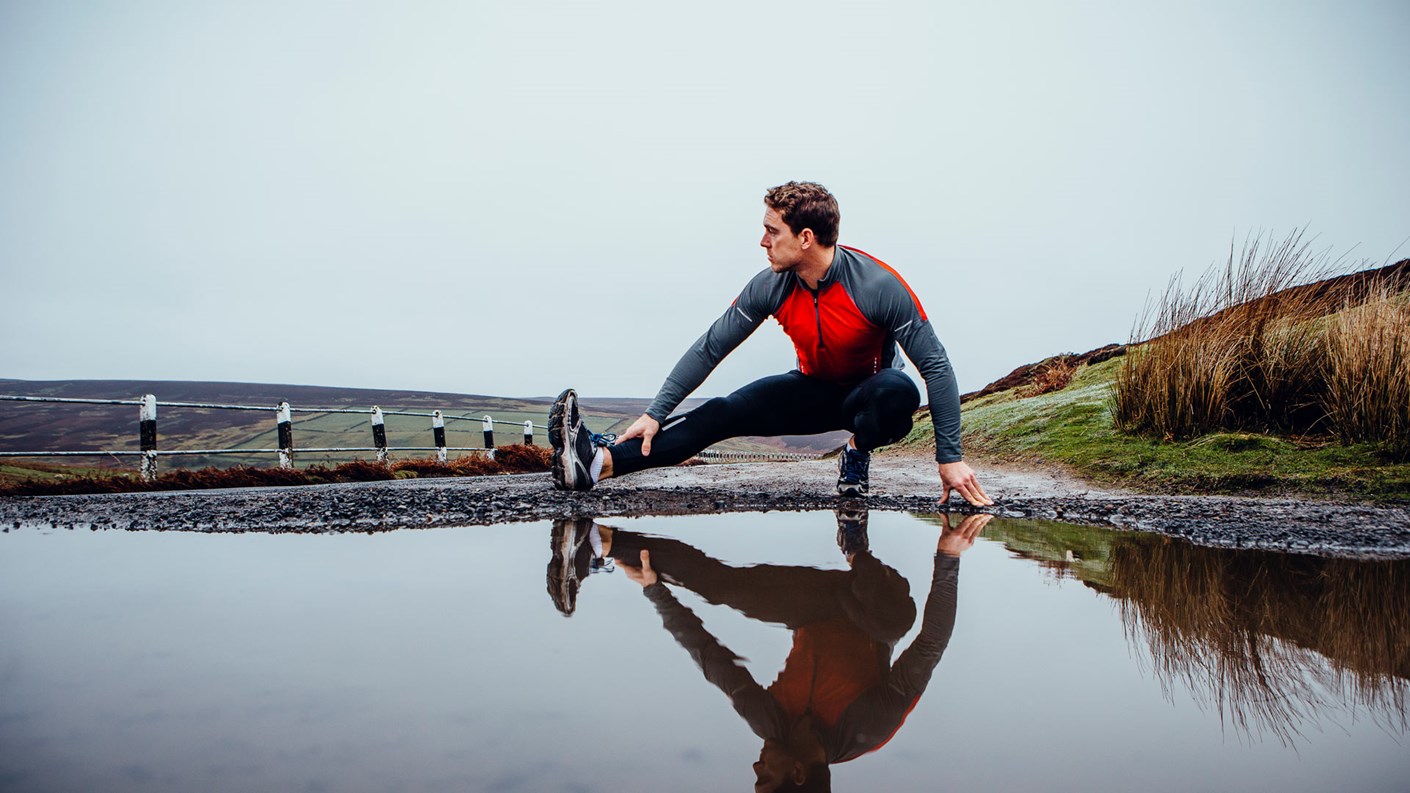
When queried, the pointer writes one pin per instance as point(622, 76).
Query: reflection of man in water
point(838, 695)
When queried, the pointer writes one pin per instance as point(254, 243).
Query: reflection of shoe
point(574, 445)
point(573, 560)
point(852, 530)
point(570, 563)
point(852, 468)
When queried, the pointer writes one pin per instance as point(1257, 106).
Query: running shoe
point(570, 563)
point(574, 445)
point(852, 468)
point(852, 529)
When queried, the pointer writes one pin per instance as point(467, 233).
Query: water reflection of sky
point(435, 659)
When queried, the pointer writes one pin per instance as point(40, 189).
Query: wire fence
point(285, 448)
point(283, 418)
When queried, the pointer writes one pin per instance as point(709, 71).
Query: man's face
point(785, 248)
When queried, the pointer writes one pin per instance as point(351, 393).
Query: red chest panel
point(833, 340)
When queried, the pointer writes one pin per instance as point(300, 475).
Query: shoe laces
point(602, 438)
point(854, 463)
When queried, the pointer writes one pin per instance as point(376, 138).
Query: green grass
point(1072, 428)
point(20, 470)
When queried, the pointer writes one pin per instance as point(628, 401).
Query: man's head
point(806, 205)
point(800, 227)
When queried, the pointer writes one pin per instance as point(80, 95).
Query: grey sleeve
point(923, 347)
point(754, 304)
point(900, 315)
point(720, 666)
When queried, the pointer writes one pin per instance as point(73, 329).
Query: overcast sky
point(511, 198)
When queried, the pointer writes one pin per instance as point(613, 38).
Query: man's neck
point(815, 265)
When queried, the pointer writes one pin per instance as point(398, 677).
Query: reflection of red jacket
point(835, 669)
point(830, 665)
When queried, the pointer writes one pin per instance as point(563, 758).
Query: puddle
point(1044, 657)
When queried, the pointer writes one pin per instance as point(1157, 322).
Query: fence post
point(528, 433)
point(487, 424)
point(379, 434)
point(438, 429)
point(147, 429)
point(283, 418)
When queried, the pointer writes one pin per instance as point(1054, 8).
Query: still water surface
point(1044, 657)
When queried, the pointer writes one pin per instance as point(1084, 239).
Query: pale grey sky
point(511, 198)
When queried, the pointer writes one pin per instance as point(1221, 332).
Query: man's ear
point(800, 773)
point(806, 238)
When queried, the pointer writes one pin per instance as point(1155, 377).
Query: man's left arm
point(917, 338)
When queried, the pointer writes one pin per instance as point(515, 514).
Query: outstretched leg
point(786, 404)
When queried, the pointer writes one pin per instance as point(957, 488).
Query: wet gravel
point(906, 484)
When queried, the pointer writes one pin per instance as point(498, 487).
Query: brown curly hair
point(806, 205)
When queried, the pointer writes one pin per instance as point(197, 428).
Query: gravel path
point(898, 483)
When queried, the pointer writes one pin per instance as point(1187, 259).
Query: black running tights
point(877, 411)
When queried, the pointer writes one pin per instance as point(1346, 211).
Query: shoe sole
point(557, 416)
point(563, 439)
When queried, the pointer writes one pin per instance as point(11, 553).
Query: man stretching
point(845, 311)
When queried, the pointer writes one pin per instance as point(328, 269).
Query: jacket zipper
point(817, 315)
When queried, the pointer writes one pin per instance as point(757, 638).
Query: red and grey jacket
point(844, 332)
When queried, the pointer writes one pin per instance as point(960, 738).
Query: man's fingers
point(973, 493)
point(645, 559)
point(978, 488)
point(646, 445)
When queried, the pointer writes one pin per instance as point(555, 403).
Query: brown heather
point(1052, 375)
point(1257, 346)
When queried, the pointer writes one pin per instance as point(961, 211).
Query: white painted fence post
point(528, 433)
point(283, 418)
point(487, 424)
point(379, 434)
point(438, 429)
point(147, 428)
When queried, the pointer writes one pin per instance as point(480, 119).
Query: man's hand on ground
point(643, 575)
point(645, 428)
point(960, 477)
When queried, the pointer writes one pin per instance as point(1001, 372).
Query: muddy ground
point(898, 483)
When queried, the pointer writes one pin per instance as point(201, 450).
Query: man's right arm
point(756, 302)
point(761, 296)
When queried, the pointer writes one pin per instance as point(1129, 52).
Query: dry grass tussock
point(1252, 347)
point(507, 460)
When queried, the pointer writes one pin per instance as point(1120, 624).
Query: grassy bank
point(1072, 428)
